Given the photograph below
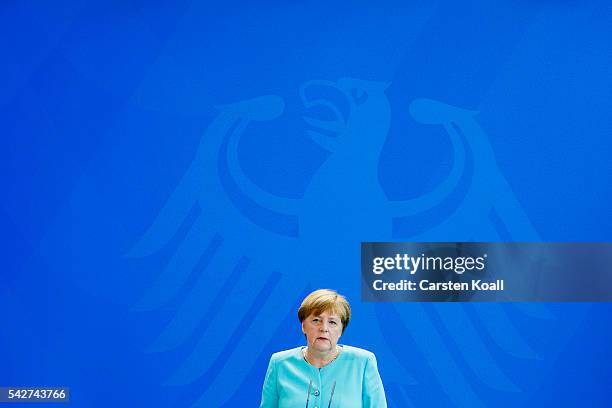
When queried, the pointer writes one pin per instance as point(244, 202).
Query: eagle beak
point(325, 110)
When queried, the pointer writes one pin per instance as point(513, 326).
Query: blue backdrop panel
point(177, 175)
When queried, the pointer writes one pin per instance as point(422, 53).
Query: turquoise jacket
point(355, 373)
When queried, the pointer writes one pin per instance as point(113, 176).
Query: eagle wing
point(220, 282)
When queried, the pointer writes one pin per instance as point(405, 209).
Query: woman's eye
point(315, 320)
point(334, 323)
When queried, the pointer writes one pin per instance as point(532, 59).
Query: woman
point(323, 374)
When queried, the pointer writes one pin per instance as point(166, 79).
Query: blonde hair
point(325, 300)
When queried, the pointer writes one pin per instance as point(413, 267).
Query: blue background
point(107, 108)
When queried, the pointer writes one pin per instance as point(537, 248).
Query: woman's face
point(322, 331)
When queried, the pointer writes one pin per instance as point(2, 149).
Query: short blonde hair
point(325, 300)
